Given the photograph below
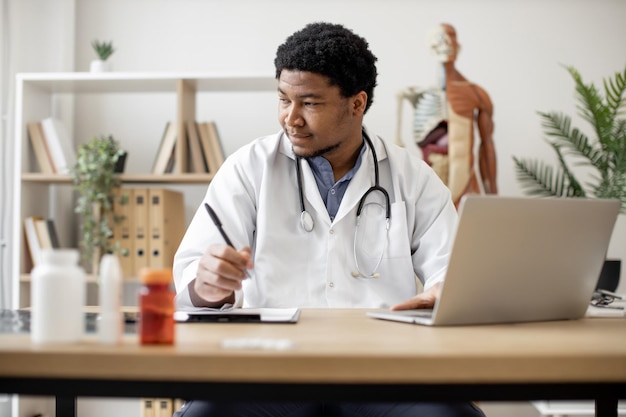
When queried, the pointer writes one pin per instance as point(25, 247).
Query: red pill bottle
point(156, 307)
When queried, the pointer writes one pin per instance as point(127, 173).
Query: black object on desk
point(221, 317)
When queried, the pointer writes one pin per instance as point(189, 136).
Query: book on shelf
point(32, 239)
point(40, 148)
point(59, 144)
point(46, 233)
point(204, 148)
point(197, 162)
point(52, 232)
point(211, 146)
point(171, 163)
point(216, 143)
point(40, 235)
point(165, 154)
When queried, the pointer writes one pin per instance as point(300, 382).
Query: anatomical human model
point(444, 119)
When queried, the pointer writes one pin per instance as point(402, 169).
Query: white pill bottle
point(57, 298)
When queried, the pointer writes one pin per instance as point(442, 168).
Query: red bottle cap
point(152, 276)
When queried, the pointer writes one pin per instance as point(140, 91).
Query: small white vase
point(97, 65)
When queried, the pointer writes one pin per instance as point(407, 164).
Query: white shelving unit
point(41, 95)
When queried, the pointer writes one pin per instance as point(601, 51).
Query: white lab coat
point(255, 194)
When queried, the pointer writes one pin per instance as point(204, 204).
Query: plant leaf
point(605, 153)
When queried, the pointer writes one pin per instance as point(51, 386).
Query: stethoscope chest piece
point(306, 220)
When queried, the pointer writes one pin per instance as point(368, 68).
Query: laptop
point(517, 259)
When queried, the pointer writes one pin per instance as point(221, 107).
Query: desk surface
point(342, 347)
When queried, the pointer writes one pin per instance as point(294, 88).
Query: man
point(288, 201)
point(443, 124)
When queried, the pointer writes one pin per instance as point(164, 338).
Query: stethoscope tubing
point(306, 220)
point(375, 187)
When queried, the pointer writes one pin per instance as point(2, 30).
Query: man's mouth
point(298, 135)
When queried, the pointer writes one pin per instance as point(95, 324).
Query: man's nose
point(293, 116)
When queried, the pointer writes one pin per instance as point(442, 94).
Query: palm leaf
point(614, 91)
point(541, 180)
point(606, 153)
point(558, 126)
point(574, 189)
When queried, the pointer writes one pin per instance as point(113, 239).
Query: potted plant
point(95, 177)
point(604, 155)
point(104, 50)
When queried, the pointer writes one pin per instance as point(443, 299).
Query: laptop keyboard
point(426, 313)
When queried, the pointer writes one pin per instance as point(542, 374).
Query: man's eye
point(310, 104)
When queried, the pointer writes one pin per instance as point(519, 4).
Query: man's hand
point(221, 272)
point(425, 299)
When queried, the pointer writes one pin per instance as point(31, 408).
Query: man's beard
point(319, 152)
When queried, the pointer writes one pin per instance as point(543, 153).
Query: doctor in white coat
point(255, 194)
point(289, 203)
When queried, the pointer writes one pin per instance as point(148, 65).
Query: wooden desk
point(338, 355)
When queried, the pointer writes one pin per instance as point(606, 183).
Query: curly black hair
point(333, 51)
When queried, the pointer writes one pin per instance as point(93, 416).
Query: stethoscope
point(307, 223)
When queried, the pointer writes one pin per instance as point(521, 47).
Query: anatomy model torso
point(443, 124)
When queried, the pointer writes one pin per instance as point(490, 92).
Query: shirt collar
point(323, 171)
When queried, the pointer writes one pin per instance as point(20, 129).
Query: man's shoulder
point(259, 154)
point(262, 145)
point(402, 156)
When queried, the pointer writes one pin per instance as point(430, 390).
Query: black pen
point(218, 223)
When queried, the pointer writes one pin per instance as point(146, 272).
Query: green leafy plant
point(95, 178)
point(605, 155)
point(103, 49)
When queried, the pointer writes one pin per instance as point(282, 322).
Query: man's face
point(443, 43)
point(315, 117)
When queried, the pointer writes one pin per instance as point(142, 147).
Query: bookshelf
point(41, 95)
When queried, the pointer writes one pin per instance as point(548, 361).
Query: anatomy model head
point(443, 44)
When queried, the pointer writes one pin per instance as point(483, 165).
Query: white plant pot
point(98, 65)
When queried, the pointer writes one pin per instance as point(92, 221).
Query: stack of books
point(52, 146)
point(205, 153)
point(40, 234)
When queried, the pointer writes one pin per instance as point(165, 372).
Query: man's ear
point(359, 101)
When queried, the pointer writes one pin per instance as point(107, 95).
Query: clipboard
point(239, 315)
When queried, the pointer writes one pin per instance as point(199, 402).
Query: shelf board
point(142, 82)
point(36, 177)
point(89, 278)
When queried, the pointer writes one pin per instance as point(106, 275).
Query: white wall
point(36, 36)
point(513, 49)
